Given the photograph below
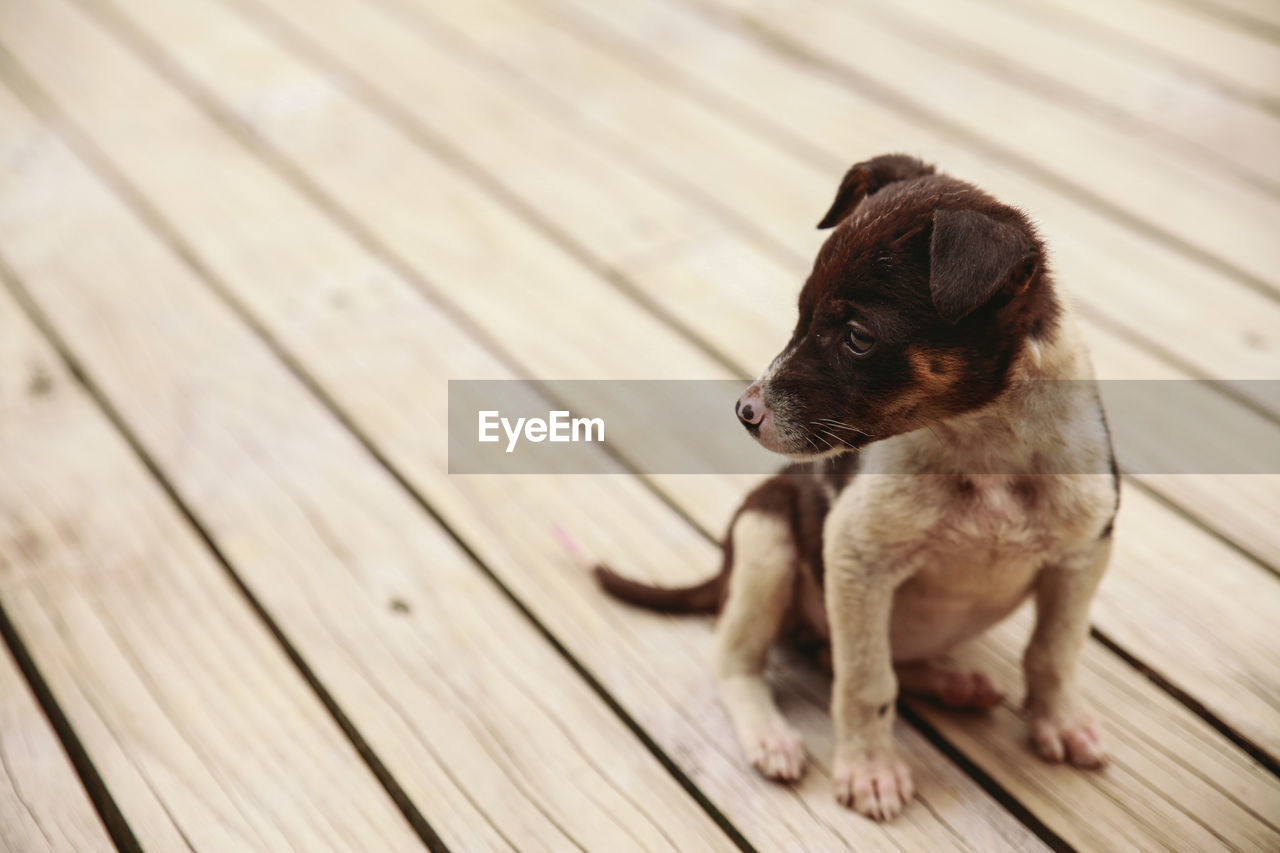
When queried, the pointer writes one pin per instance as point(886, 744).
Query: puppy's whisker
point(828, 422)
point(831, 436)
point(818, 429)
point(839, 425)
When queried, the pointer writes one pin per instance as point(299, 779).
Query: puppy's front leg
point(760, 590)
point(869, 775)
point(1061, 728)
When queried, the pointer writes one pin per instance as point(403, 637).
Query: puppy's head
point(914, 311)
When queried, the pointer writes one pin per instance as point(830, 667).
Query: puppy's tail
point(702, 597)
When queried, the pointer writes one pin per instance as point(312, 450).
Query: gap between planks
point(51, 796)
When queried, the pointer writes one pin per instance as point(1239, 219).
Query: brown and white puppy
point(950, 475)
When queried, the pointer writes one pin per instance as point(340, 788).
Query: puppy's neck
point(1046, 420)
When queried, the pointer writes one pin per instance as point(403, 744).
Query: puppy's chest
point(990, 536)
point(984, 533)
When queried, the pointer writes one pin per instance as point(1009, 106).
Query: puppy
point(949, 473)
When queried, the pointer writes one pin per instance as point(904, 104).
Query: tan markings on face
point(936, 371)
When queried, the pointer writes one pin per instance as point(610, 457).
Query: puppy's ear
point(971, 256)
point(868, 178)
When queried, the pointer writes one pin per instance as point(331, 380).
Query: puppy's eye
point(860, 340)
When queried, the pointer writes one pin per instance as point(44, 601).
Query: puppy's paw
point(876, 784)
point(1072, 736)
point(969, 690)
point(777, 751)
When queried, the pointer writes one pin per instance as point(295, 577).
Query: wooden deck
point(243, 244)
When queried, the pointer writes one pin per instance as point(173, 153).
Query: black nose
point(744, 412)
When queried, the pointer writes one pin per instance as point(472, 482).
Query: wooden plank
point(43, 806)
point(486, 728)
point(831, 124)
point(518, 543)
point(1157, 102)
point(656, 668)
point(1190, 40)
point(201, 728)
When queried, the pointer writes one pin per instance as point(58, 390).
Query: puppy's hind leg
point(951, 686)
point(762, 548)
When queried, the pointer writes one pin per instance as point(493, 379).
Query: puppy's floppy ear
point(868, 178)
point(971, 256)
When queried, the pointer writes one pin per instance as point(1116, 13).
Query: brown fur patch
point(936, 371)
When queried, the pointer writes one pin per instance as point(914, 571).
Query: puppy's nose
point(750, 407)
